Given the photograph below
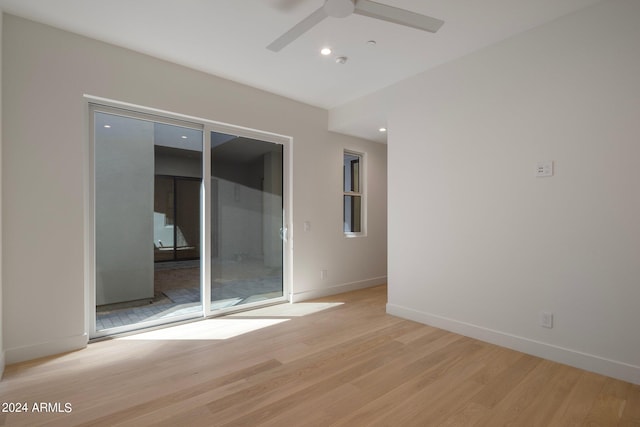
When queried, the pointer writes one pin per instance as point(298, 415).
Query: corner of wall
point(1, 319)
point(44, 349)
point(337, 289)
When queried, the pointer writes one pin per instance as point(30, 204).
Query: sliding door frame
point(287, 209)
point(98, 104)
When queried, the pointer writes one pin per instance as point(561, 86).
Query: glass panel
point(144, 217)
point(247, 219)
point(352, 214)
point(351, 173)
point(188, 218)
point(163, 218)
point(176, 218)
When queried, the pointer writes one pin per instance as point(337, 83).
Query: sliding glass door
point(147, 179)
point(246, 221)
point(188, 222)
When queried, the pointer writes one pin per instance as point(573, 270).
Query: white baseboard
point(336, 289)
point(30, 352)
point(588, 362)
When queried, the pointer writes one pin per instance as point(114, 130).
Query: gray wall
point(177, 165)
point(240, 220)
point(46, 73)
point(124, 179)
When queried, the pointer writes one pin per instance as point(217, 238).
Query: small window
point(352, 193)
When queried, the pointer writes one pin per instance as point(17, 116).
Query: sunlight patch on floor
point(235, 324)
point(289, 310)
point(209, 329)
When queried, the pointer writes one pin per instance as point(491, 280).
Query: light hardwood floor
point(313, 364)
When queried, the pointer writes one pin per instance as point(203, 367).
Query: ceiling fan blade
point(397, 16)
point(299, 29)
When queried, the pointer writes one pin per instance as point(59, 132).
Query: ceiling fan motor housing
point(339, 8)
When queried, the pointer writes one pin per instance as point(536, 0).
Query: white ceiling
point(227, 38)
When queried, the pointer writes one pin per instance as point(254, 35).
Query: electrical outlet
point(546, 319)
point(323, 274)
point(544, 168)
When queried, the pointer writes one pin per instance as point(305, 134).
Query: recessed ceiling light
point(382, 129)
point(325, 51)
point(371, 42)
point(341, 60)
point(107, 126)
point(183, 137)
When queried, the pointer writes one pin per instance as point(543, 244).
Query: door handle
point(283, 233)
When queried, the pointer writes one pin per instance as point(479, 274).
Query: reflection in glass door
point(147, 179)
point(176, 218)
point(246, 221)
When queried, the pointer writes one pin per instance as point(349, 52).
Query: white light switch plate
point(544, 168)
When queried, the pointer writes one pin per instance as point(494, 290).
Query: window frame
point(361, 193)
point(98, 104)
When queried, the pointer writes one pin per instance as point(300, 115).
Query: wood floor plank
point(522, 395)
point(500, 361)
point(319, 387)
point(438, 395)
point(452, 392)
point(183, 394)
point(549, 398)
point(501, 385)
point(610, 404)
point(275, 387)
point(391, 396)
point(343, 363)
point(631, 412)
point(468, 415)
point(580, 399)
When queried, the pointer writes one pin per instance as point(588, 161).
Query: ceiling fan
point(344, 8)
